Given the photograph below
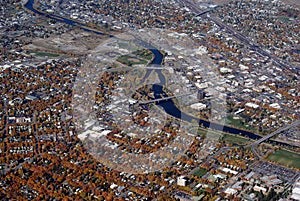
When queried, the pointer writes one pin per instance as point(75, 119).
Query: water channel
point(168, 105)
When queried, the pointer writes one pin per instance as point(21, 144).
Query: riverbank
point(168, 106)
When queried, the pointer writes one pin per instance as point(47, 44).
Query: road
point(276, 132)
point(250, 43)
point(256, 143)
point(203, 12)
point(151, 67)
point(253, 146)
point(164, 99)
point(29, 4)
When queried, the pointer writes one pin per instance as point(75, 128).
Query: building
point(181, 181)
point(296, 191)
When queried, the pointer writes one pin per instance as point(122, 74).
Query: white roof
point(229, 170)
point(252, 105)
point(230, 191)
point(198, 106)
point(202, 85)
point(275, 105)
point(243, 67)
point(296, 190)
point(295, 196)
point(225, 70)
point(93, 134)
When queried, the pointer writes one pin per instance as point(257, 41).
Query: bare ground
point(74, 42)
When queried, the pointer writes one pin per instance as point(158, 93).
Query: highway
point(276, 132)
point(253, 146)
point(202, 13)
point(256, 143)
point(253, 45)
point(287, 66)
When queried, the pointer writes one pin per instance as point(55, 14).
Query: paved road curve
point(256, 143)
point(253, 45)
point(213, 125)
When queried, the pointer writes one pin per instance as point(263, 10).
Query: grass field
point(235, 139)
point(200, 173)
point(284, 19)
point(238, 123)
point(129, 61)
point(145, 54)
point(286, 158)
point(45, 54)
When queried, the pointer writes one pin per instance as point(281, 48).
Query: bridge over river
point(267, 137)
point(157, 100)
point(168, 105)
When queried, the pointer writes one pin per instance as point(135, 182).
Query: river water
point(168, 105)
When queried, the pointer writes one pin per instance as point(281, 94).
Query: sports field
point(235, 139)
point(286, 158)
point(201, 172)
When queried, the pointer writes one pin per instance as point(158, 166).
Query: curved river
point(168, 105)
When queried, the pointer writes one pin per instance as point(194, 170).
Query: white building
point(198, 106)
point(181, 181)
point(252, 105)
point(258, 189)
point(296, 191)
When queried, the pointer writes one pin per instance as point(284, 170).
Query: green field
point(200, 173)
point(144, 54)
point(238, 123)
point(44, 54)
point(284, 18)
point(235, 139)
point(129, 60)
point(286, 158)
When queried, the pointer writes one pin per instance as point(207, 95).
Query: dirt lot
point(75, 42)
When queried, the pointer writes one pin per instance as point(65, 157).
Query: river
point(168, 105)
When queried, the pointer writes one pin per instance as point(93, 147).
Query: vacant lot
point(235, 139)
point(200, 173)
point(286, 158)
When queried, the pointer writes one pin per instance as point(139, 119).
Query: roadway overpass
point(168, 98)
point(276, 132)
point(256, 143)
point(163, 99)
